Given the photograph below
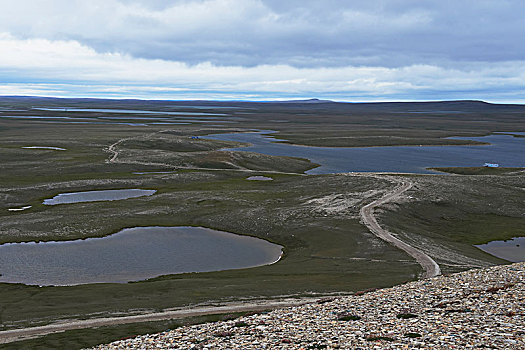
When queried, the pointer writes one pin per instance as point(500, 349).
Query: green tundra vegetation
point(327, 250)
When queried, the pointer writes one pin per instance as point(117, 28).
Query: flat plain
point(85, 145)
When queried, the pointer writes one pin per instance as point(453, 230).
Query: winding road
point(430, 267)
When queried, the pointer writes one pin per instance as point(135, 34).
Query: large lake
point(505, 150)
point(123, 111)
point(131, 117)
point(132, 254)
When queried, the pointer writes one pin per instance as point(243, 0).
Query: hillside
point(474, 309)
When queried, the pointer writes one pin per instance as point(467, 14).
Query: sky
point(373, 50)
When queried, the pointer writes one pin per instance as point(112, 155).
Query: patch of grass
point(348, 317)
point(78, 339)
point(376, 338)
point(496, 289)
point(461, 311)
point(223, 334)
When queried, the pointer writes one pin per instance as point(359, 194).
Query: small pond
point(20, 209)
point(505, 150)
point(133, 254)
point(93, 196)
point(512, 249)
point(45, 147)
point(259, 178)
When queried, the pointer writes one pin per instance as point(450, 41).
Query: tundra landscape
point(262, 174)
point(76, 172)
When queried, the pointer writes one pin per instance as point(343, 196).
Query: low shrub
point(498, 288)
point(348, 317)
point(413, 335)
point(374, 338)
point(362, 292)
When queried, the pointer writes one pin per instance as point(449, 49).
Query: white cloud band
point(69, 67)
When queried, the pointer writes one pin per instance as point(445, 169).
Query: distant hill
point(314, 104)
point(311, 100)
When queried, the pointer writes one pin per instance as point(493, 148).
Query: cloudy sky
point(369, 50)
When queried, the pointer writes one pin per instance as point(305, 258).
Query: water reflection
point(505, 150)
point(259, 178)
point(93, 196)
point(512, 249)
point(133, 254)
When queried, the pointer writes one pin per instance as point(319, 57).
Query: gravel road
point(14, 335)
point(430, 267)
point(470, 310)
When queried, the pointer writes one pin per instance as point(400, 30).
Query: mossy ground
point(327, 249)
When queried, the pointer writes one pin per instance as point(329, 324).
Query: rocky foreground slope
point(473, 309)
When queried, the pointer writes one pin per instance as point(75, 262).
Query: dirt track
point(34, 332)
point(430, 267)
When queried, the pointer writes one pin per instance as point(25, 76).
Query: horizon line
point(312, 100)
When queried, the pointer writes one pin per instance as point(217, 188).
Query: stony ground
point(474, 309)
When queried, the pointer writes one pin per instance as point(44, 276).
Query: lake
point(505, 150)
point(124, 111)
point(45, 147)
point(512, 249)
point(94, 196)
point(143, 118)
point(133, 254)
